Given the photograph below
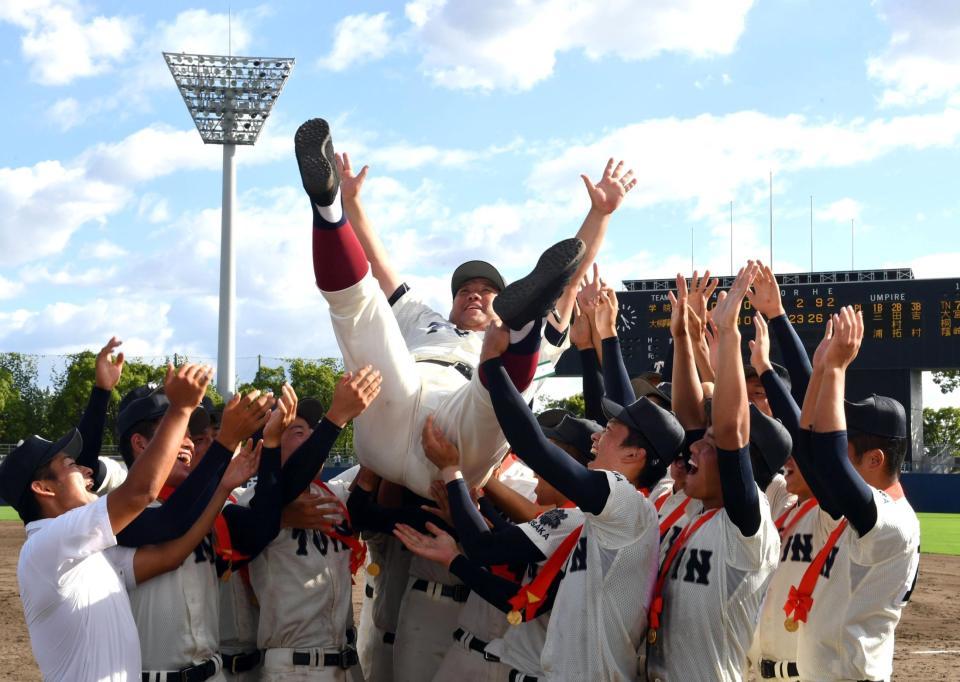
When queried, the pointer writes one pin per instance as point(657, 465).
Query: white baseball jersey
point(772, 640)
point(599, 617)
point(303, 583)
point(75, 598)
point(779, 498)
point(663, 487)
point(711, 599)
point(239, 610)
point(521, 479)
point(864, 585)
point(178, 613)
point(114, 473)
point(671, 504)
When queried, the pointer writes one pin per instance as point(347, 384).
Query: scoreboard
point(908, 323)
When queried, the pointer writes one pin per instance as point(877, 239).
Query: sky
point(476, 120)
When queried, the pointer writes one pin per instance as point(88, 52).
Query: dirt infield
point(928, 638)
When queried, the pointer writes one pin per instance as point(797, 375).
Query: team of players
point(582, 558)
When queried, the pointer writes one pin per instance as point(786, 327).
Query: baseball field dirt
point(928, 639)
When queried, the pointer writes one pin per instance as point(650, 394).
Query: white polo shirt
point(75, 599)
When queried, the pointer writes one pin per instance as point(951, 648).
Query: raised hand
point(438, 449)
point(186, 385)
point(678, 309)
point(243, 466)
point(495, 341)
point(107, 367)
point(440, 548)
point(243, 416)
point(607, 195)
point(438, 491)
point(728, 303)
point(581, 333)
point(282, 416)
point(353, 394)
point(606, 315)
point(590, 291)
point(760, 346)
point(764, 295)
point(701, 289)
point(820, 354)
point(350, 184)
point(313, 511)
point(847, 337)
point(712, 335)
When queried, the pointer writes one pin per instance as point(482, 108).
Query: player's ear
point(43, 488)
point(877, 458)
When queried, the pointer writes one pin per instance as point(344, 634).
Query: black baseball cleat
point(536, 294)
point(318, 169)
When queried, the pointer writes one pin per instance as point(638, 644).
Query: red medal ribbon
point(800, 600)
point(656, 606)
point(165, 492)
point(660, 501)
point(675, 515)
point(358, 550)
point(801, 512)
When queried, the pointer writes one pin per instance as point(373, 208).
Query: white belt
point(165, 675)
point(312, 657)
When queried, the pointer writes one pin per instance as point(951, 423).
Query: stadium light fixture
point(229, 99)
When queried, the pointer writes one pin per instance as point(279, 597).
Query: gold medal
point(651, 636)
point(373, 569)
point(790, 625)
point(514, 617)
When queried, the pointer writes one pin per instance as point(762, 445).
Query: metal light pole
point(229, 99)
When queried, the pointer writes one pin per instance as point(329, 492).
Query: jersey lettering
point(203, 553)
point(322, 542)
point(434, 327)
point(801, 548)
point(828, 564)
point(676, 563)
point(698, 562)
point(578, 559)
point(672, 535)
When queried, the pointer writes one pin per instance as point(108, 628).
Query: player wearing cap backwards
point(73, 593)
point(849, 603)
point(428, 360)
point(711, 583)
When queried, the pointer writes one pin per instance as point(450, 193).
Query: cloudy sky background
point(476, 119)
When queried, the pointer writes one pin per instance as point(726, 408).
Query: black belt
point(368, 591)
point(389, 637)
point(344, 659)
point(517, 676)
point(768, 669)
point(462, 367)
point(457, 593)
point(194, 673)
point(241, 663)
point(475, 644)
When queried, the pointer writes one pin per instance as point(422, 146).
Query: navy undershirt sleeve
point(90, 427)
point(303, 464)
point(852, 495)
point(782, 404)
point(253, 528)
point(587, 489)
point(492, 588)
point(794, 356)
point(492, 514)
point(813, 473)
point(616, 381)
point(368, 515)
point(510, 545)
point(178, 513)
point(741, 498)
point(592, 386)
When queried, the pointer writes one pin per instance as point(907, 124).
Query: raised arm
point(782, 404)
point(107, 370)
point(380, 265)
point(581, 336)
point(701, 289)
point(184, 388)
point(731, 412)
point(687, 389)
point(616, 381)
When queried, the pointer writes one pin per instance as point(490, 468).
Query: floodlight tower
point(229, 99)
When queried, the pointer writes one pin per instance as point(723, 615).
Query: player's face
point(608, 448)
point(703, 475)
point(796, 483)
point(185, 460)
point(678, 472)
point(472, 307)
point(71, 483)
point(757, 395)
point(293, 436)
point(201, 443)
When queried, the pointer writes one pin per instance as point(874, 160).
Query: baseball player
point(848, 603)
point(717, 568)
point(428, 360)
point(73, 594)
point(383, 592)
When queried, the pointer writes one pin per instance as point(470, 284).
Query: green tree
point(71, 388)
point(948, 380)
point(942, 427)
point(266, 379)
point(26, 404)
point(573, 403)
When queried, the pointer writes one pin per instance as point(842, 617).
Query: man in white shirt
point(74, 597)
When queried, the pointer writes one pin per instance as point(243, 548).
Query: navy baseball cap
point(878, 415)
point(552, 417)
point(749, 372)
point(575, 432)
point(18, 468)
point(139, 405)
point(660, 427)
point(311, 411)
point(644, 387)
point(770, 438)
point(473, 269)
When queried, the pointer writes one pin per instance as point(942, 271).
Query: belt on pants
point(389, 637)
point(517, 676)
point(462, 367)
point(771, 670)
point(317, 658)
point(192, 673)
point(241, 663)
point(473, 644)
point(457, 593)
point(368, 591)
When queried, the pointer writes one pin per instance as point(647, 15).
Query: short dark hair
point(145, 428)
point(29, 508)
point(894, 449)
point(652, 471)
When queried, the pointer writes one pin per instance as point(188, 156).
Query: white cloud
point(89, 277)
point(103, 250)
point(9, 289)
point(62, 43)
point(154, 208)
point(841, 211)
point(922, 60)
point(358, 38)
point(514, 45)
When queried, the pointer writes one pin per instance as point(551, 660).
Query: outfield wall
point(935, 493)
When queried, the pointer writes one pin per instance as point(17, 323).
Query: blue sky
point(476, 119)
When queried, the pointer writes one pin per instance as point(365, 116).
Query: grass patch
point(8, 514)
point(940, 533)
